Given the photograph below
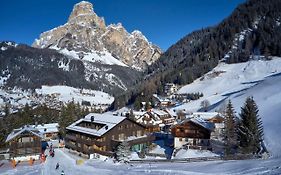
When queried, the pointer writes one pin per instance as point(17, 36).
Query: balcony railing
point(86, 141)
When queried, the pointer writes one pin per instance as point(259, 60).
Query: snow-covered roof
point(204, 115)
point(47, 128)
point(159, 112)
point(107, 119)
point(208, 125)
point(139, 113)
point(172, 112)
point(197, 120)
point(27, 128)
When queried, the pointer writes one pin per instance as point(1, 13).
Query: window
point(180, 139)
point(24, 139)
point(121, 136)
point(112, 137)
point(139, 133)
point(120, 127)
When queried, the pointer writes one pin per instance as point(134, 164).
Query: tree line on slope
point(202, 50)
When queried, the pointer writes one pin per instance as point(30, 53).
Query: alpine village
point(88, 98)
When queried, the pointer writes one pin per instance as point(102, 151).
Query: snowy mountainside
point(53, 96)
point(257, 78)
point(85, 36)
point(29, 68)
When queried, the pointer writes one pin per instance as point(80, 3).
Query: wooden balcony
point(86, 141)
point(140, 140)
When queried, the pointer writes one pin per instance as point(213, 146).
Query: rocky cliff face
point(85, 36)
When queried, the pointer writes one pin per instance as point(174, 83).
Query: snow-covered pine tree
point(123, 152)
point(250, 129)
point(230, 130)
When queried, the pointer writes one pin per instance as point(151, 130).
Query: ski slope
point(68, 165)
point(258, 78)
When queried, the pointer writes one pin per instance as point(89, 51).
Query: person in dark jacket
point(57, 166)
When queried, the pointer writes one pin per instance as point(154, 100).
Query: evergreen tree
point(250, 129)
point(123, 152)
point(230, 131)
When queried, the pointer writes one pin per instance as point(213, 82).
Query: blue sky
point(163, 22)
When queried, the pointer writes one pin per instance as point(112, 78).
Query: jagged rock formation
point(85, 36)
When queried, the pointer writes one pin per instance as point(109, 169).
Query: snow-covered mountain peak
point(86, 33)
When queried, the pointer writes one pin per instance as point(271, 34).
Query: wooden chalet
point(193, 133)
point(217, 119)
point(102, 133)
point(49, 131)
point(24, 141)
point(155, 120)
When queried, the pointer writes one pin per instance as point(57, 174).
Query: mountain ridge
point(244, 35)
point(85, 33)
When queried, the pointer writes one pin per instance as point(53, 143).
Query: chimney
point(92, 119)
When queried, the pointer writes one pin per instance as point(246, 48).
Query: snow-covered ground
point(67, 94)
point(258, 78)
point(52, 96)
point(192, 153)
point(103, 57)
point(226, 79)
point(68, 165)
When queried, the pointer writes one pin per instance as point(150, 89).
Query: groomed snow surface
point(260, 79)
point(67, 163)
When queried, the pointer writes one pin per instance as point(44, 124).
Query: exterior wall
point(179, 142)
point(25, 144)
point(106, 144)
point(191, 135)
point(217, 134)
point(191, 143)
point(190, 130)
point(51, 135)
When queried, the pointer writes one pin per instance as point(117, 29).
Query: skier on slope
point(57, 166)
point(62, 172)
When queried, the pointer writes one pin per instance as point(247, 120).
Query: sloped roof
point(159, 112)
point(201, 122)
point(47, 128)
point(107, 119)
point(17, 132)
point(205, 115)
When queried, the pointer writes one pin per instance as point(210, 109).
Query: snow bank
point(192, 153)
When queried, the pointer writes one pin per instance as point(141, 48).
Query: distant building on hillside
point(24, 141)
point(170, 88)
point(102, 133)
